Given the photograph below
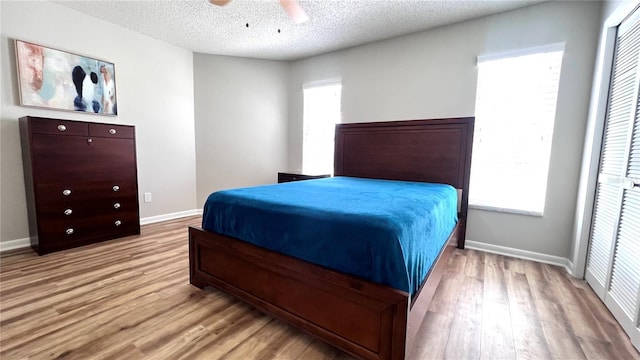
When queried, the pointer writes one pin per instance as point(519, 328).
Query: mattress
point(388, 232)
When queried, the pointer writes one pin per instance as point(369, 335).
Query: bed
point(368, 317)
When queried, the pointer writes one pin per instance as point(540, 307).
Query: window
point(515, 113)
point(321, 114)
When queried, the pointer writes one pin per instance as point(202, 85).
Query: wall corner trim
point(521, 254)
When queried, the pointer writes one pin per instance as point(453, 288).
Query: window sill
point(506, 210)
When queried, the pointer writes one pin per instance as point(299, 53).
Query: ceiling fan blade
point(294, 10)
point(220, 2)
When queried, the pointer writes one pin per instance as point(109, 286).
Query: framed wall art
point(55, 79)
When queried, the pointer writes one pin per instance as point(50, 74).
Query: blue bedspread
point(389, 232)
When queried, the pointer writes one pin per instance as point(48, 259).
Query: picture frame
point(60, 80)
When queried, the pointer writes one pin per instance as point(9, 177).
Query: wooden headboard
point(435, 150)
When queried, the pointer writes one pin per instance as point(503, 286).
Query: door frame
point(594, 133)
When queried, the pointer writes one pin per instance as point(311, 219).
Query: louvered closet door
point(623, 297)
point(613, 267)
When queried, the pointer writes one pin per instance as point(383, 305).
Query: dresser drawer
point(78, 208)
point(115, 189)
point(58, 127)
point(109, 130)
point(53, 194)
point(63, 232)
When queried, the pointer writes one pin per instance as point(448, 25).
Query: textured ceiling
point(201, 27)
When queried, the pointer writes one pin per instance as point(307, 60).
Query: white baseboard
point(26, 242)
point(15, 244)
point(469, 244)
point(171, 216)
point(521, 254)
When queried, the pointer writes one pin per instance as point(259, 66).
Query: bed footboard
point(365, 319)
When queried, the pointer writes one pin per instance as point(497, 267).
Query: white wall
point(241, 122)
point(155, 93)
point(433, 74)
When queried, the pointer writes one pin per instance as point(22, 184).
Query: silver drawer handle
point(68, 212)
point(69, 231)
point(89, 141)
point(66, 192)
point(118, 222)
point(112, 131)
point(116, 187)
point(116, 205)
point(62, 128)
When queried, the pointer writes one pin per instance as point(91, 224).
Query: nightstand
point(297, 176)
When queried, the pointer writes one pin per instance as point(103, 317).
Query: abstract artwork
point(60, 80)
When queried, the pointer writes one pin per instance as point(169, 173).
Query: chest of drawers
point(81, 182)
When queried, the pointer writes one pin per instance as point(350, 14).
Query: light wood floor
point(131, 299)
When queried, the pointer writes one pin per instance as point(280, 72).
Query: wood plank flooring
point(131, 299)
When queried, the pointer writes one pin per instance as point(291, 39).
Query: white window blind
point(515, 112)
point(321, 113)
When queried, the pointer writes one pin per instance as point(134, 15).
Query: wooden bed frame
point(365, 319)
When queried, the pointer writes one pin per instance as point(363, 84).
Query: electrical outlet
point(147, 197)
